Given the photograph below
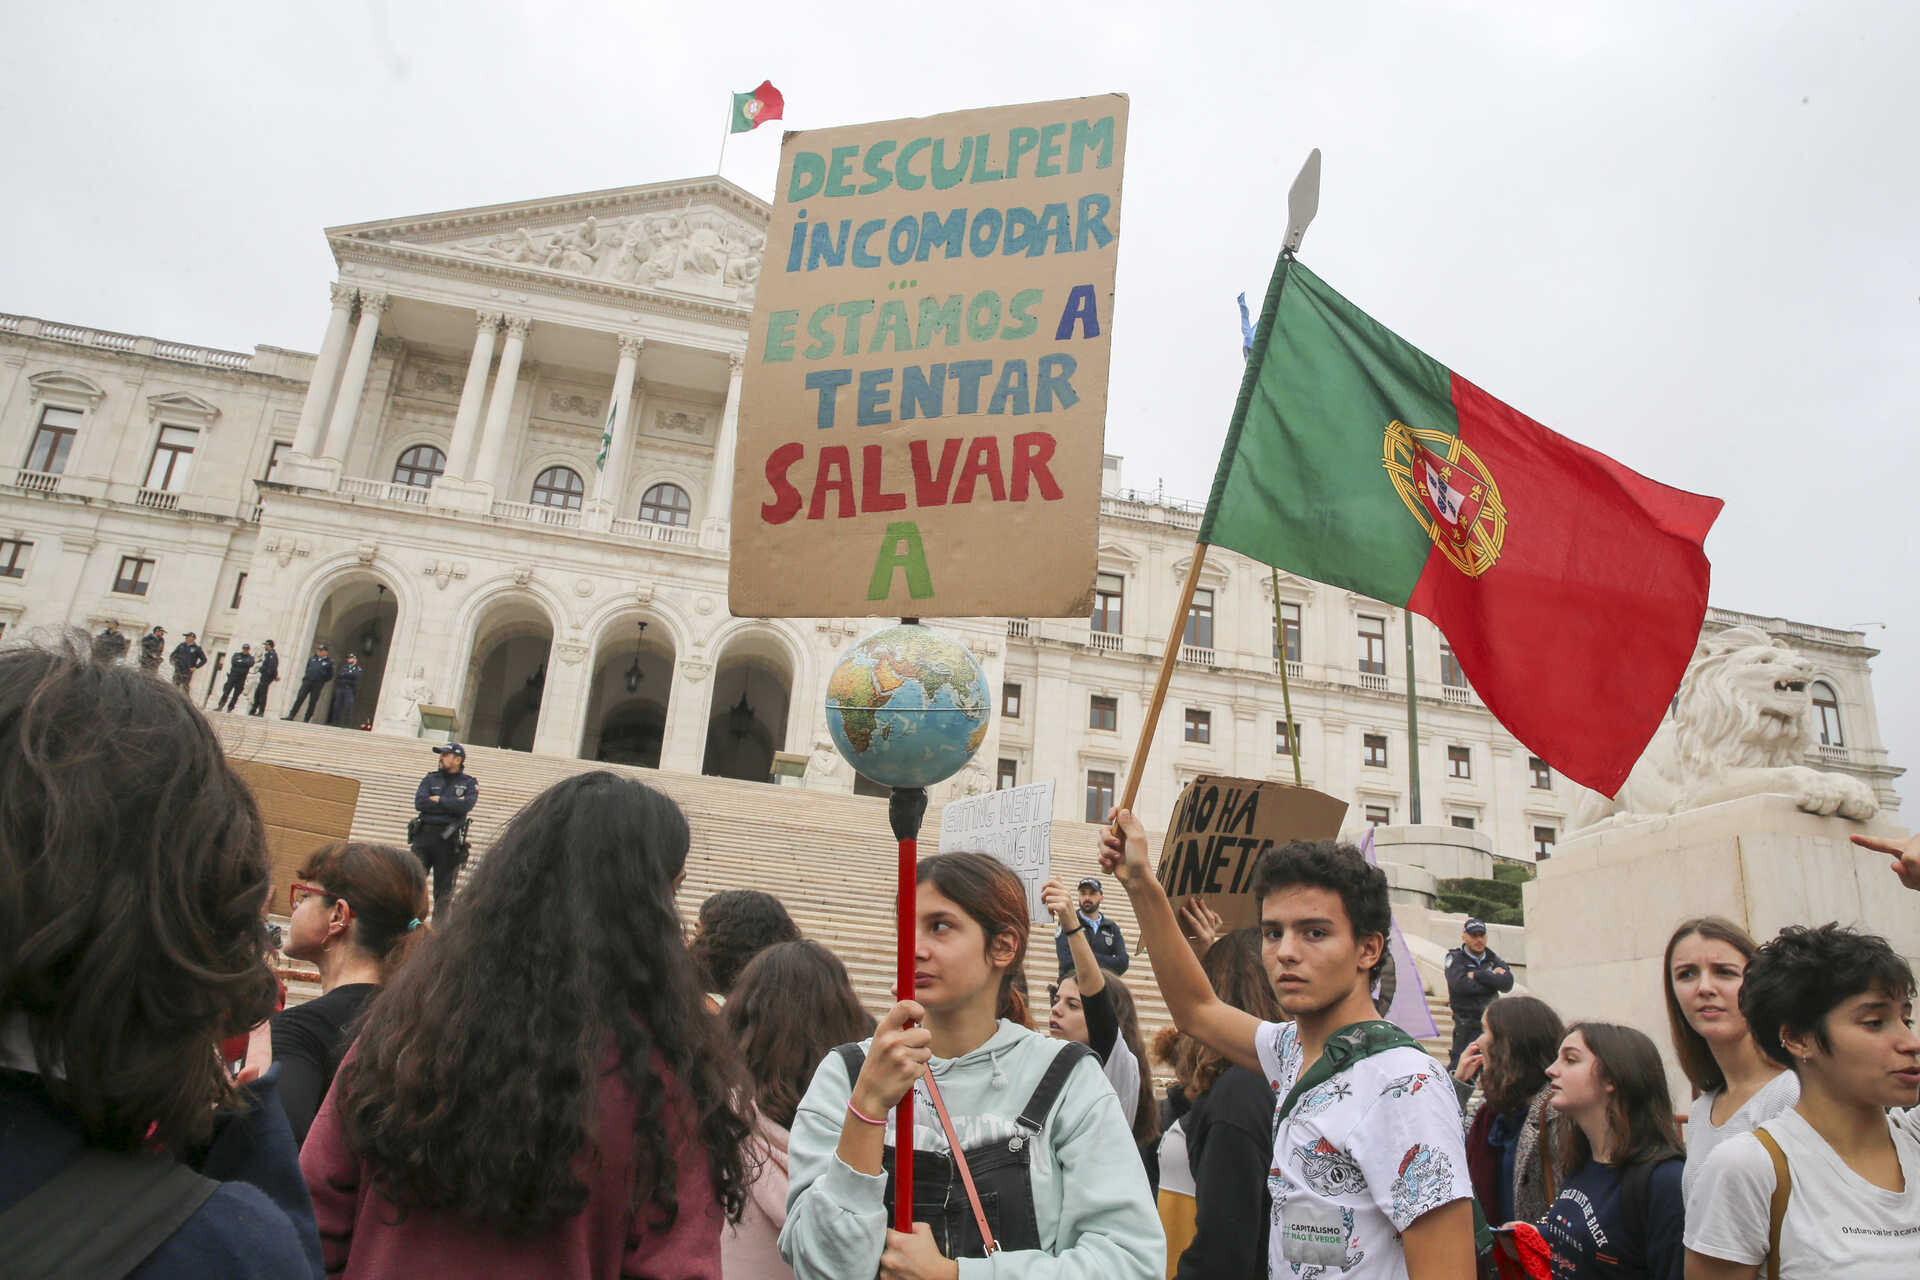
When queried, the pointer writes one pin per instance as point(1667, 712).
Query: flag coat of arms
point(1570, 587)
point(755, 107)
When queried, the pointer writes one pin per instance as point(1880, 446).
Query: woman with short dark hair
point(733, 927)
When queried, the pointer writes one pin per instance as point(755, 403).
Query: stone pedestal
point(472, 497)
point(308, 473)
point(1601, 910)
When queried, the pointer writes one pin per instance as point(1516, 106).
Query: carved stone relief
point(432, 380)
point(701, 247)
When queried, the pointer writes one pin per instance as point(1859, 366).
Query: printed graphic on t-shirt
point(1329, 1170)
point(1318, 1099)
point(1425, 1182)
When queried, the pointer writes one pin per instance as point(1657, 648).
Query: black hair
point(1797, 979)
point(735, 926)
point(1341, 868)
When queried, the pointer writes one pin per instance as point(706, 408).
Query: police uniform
point(153, 646)
point(346, 688)
point(319, 671)
point(237, 669)
point(187, 657)
point(437, 836)
point(269, 672)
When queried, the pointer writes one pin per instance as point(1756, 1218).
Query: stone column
point(689, 708)
point(611, 484)
point(493, 437)
point(353, 379)
point(563, 703)
point(720, 490)
point(473, 394)
point(326, 370)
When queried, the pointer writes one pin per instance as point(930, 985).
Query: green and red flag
point(1571, 588)
point(756, 107)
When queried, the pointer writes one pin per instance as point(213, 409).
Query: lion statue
point(1741, 727)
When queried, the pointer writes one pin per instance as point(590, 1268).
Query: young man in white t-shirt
point(1836, 1006)
point(1369, 1173)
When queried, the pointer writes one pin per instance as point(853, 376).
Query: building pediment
point(700, 239)
point(65, 387)
point(182, 406)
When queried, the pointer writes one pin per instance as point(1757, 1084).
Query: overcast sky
point(1685, 234)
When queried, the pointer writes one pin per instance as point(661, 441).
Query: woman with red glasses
point(357, 908)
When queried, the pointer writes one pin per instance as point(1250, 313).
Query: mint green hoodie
point(1097, 1220)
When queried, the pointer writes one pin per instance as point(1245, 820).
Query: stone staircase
point(829, 857)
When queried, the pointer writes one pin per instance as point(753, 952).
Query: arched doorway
point(358, 616)
point(627, 700)
point(507, 675)
point(752, 691)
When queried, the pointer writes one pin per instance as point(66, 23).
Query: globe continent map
point(908, 707)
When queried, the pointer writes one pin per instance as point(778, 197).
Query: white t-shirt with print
point(1122, 1071)
point(1361, 1157)
point(1703, 1135)
point(1837, 1223)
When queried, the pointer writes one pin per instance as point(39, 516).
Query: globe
point(908, 706)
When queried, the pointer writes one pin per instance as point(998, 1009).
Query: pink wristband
point(863, 1117)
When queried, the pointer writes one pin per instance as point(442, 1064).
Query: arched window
point(559, 487)
point(1827, 707)
point(666, 504)
point(419, 466)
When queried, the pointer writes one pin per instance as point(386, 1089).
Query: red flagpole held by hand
point(906, 809)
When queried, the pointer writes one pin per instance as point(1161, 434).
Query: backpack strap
point(1777, 1206)
point(1636, 1193)
point(855, 1057)
point(102, 1215)
point(1033, 1117)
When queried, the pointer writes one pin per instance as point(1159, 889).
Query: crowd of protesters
point(566, 1078)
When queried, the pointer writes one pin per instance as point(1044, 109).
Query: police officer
point(1475, 976)
point(237, 668)
point(319, 671)
point(437, 837)
point(346, 688)
point(110, 645)
point(269, 672)
point(153, 646)
point(187, 657)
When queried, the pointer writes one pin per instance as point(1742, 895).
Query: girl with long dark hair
point(1511, 1140)
point(787, 1008)
point(1039, 1127)
point(1618, 1211)
point(357, 910)
point(1737, 1088)
point(541, 1092)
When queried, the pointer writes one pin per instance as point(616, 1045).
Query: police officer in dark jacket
point(1109, 948)
point(346, 688)
point(319, 671)
point(153, 647)
point(187, 657)
point(444, 798)
point(1475, 975)
point(237, 668)
point(110, 645)
point(269, 672)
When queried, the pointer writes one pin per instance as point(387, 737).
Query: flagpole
point(1286, 692)
point(1138, 765)
point(725, 133)
point(1413, 726)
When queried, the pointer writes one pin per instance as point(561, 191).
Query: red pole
point(905, 809)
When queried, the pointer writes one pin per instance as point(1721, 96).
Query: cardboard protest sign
point(1015, 826)
point(304, 811)
point(1221, 827)
point(923, 407)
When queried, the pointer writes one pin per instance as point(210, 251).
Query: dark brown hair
point(735, 926)
point(1146, 1111)
point(384, 887)
point(1640, 1109)
point(987, 891)
point(1525, 1039)
point(133, 891)
point(789, 1007)
point(1239, 978)
point(1689, 1046)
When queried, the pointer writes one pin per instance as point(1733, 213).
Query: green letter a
point(901, 549)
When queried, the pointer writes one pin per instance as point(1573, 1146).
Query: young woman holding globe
point(1041, 1125)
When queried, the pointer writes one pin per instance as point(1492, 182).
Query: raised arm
point(1190, 999)
point(1086, 969)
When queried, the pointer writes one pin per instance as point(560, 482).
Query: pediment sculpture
point(644, 248)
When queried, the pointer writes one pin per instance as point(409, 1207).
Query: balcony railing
point(1019, 628)
point(1456, 694)
point(1368, 680)
point(157, 499)
point(1106, 641)
point(1294, 669)
point(1198, 655)
point(1833, 754)
point(537, 513)
point(412, 495)
point(37, 481)
point(653, 531)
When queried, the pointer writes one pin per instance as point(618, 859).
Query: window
point(1460, 762)
point(13, 557)
point(1542, 775)
point(1543, 838)
point(666, 504)
point(172, 455)
point(1290, 618)
point(1376, 745)
point(1373, 646)
point(281, 448)
point(1108, 592)
point(1103, 713)
point(135, 576)
point(239, 585)
point(1462, 821)
point(1283, 740)
point(558, 487)
point(419, 466)
point(1827, 706)
point(1099, 794)
point(1007, 777)
point(53, 440)
point(1010, 701)
point(1450, 673)
point(1378, 815)
point(1200, 621)
point(1199, 725)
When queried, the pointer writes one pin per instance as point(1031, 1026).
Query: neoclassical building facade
point(503, 480)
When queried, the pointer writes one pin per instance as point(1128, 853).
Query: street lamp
point(634, 674)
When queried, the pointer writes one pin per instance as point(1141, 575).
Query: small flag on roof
point(753, 109)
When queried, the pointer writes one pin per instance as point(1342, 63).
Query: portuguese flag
point(755, 108)
point(1571, 588)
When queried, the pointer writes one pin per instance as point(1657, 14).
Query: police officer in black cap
point(237, 668)
point(438, 837)
point(269, 672)
point(153, 646)
point(346, 688)
point(187, 657)
point(319, 671)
